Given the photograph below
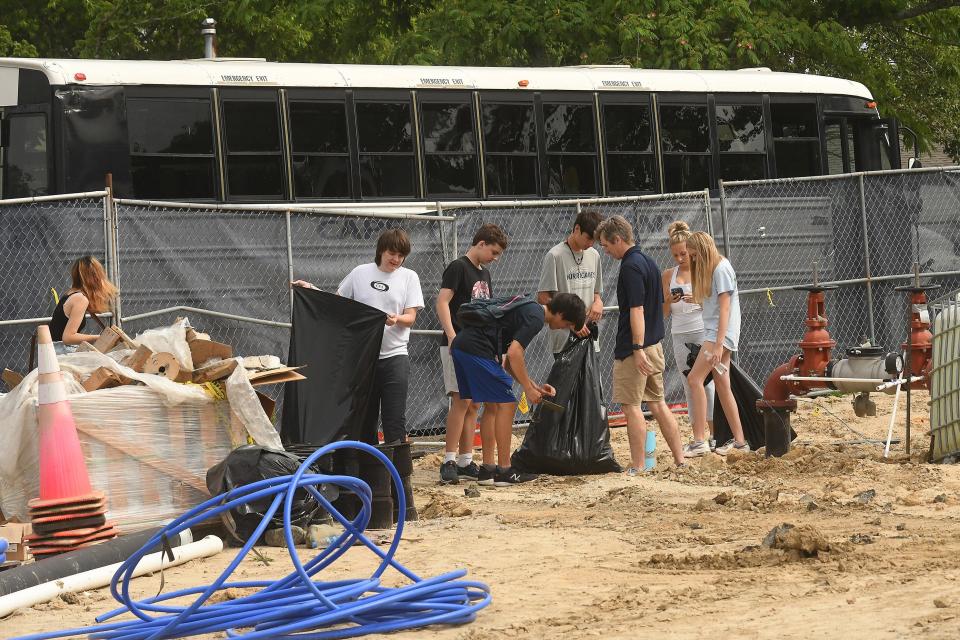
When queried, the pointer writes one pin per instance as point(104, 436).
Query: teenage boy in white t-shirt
point(387, 285)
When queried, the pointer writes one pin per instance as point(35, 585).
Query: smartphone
point(676, 293)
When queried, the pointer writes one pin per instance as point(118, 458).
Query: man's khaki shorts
point(632, 387)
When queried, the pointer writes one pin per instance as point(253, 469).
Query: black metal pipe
point(776, 429)
point(86, 559)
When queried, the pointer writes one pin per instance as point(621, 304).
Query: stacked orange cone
point(69, 514)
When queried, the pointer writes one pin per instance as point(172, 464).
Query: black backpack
point(486, 312)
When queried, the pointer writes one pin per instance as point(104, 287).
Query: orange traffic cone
point(68, 507)
point(63, 472)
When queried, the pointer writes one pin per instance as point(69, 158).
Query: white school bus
point(248, 130)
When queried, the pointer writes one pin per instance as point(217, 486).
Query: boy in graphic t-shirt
point(387, 285)
point(573, 266)
point(464, 279)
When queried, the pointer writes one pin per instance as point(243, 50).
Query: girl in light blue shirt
point(715, 289)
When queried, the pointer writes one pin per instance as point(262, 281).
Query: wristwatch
point(636, 347)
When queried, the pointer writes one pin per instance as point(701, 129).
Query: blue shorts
point(481, 379)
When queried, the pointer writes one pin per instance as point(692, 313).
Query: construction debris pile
point(152, 413)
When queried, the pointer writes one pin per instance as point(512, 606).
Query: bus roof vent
point(764, 69)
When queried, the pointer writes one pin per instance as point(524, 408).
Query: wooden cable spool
point(163, 364)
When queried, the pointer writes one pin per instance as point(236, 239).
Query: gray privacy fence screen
point(227, 267)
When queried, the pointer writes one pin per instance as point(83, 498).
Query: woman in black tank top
point(91, 291)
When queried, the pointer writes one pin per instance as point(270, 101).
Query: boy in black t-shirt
point(464, 279)
point(481, 378)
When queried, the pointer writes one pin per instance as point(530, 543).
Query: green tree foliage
point(906, 51)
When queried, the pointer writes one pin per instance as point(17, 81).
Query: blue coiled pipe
point(297, 605)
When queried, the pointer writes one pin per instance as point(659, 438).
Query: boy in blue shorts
point(482, 378)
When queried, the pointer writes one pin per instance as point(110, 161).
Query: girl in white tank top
point(687, 315)
point(687, 325)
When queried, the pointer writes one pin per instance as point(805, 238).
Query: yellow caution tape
point(214, 390)
point(56, 296)
point(522, 405)
point(770, 298)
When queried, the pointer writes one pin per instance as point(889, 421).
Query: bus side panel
point(94, 139)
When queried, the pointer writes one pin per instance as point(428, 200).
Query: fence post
point(708, 210)
point(112, 247)
point(443, 235)
point(866, 259)
point(289, 260)
point(456, 237)
point(723, 221)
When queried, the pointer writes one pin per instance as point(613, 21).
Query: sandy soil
point(874, 552)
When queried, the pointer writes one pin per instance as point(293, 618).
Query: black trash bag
point(339, 341)
point(746, 392)
point(252, 463)
point(575, 440)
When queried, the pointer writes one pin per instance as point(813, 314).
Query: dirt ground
point(875, 552)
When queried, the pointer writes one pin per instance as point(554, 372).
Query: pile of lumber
point(212, 360)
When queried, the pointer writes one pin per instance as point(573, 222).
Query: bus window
point(628, 137)
point(385, 139)
point(449, 149)
point(571, 149)
point(510, 149)
point(253, 149)
point(321, 155)
point(741, 142)
point(171, 148)
point(25, 162)
point(796, 139)
point(685, 141)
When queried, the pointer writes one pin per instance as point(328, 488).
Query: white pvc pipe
point(96, 578)
point(897, 383)
point(793, 378)
point(893, 417)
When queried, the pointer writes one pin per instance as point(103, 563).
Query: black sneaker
point(448, 473)
point(509, 476)
point(469, 472)
point(485, 476)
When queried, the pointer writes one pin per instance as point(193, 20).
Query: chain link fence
point(862, 232)
point(40, 239)
point(227, 267)
point(533, 228)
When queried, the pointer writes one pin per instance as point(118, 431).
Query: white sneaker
point(731, 445)
point(695, 449)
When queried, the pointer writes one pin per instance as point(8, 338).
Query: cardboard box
point(203, 350)
point(15, 532)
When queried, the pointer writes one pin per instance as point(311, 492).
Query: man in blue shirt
point(638, 355)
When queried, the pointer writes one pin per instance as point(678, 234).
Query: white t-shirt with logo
point(388, 292)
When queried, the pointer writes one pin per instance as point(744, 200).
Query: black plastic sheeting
point(575, 440)
point(338, 340)
point(746, 392)
point(252, 463)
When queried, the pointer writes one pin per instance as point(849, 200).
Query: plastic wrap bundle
point(149, 447)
